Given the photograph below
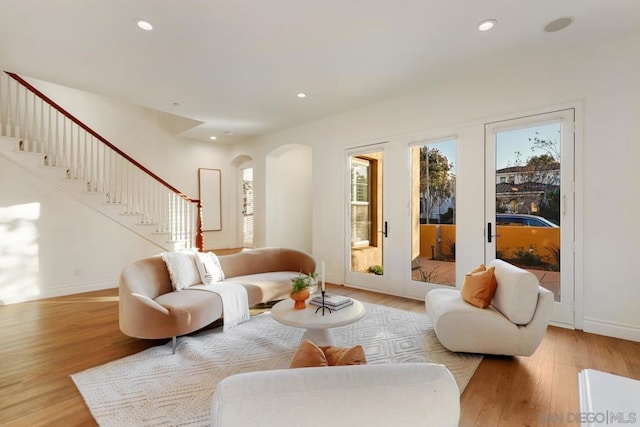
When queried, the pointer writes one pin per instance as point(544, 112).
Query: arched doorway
point(244, 167)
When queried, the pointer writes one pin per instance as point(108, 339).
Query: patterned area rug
point(158, 388)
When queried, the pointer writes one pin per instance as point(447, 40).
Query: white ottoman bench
point(409, 394)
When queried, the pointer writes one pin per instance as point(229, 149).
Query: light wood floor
point(43, 342)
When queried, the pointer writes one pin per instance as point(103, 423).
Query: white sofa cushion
point(409, 394)
point(209, 268)
point(182, 268)
point(517, 292)
point(263, 287)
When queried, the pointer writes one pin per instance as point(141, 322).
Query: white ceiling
point(237, 65)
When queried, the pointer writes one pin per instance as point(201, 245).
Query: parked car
point(523, 219)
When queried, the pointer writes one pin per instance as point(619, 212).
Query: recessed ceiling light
point(213, 138)
point(487, 24)
point(144, 25)
point(302, 95)
point(558, 24)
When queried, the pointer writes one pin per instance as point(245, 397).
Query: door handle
point(490, 235)
point(385, 229)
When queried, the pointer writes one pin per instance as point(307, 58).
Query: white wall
point(53, 245)
point(289, 199)
point(604, 75)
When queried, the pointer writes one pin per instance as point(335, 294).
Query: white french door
point(530, 198)
point(366, 226)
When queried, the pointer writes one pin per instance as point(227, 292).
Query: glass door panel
point(529, 210)
point(367, 228)
point(434, 212)
point(528, 201)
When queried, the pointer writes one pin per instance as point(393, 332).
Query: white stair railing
point(45, 128)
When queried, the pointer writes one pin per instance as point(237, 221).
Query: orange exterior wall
point(510, 238)
point(428, 238)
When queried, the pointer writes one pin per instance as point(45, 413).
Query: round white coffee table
point(318, 327)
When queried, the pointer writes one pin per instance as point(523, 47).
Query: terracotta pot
point(300, 298)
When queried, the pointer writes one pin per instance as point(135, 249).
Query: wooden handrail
point(96, 135)
point(199, 232)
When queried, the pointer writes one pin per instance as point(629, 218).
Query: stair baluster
point(45, 128)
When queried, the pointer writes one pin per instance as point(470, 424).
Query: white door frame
point(379, 283)
point(564, 312)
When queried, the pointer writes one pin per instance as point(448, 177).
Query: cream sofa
point(149, 308)
point(514, 323)
point(408, 394)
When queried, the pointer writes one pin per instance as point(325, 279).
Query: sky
point(518, 140)
point(508, 143)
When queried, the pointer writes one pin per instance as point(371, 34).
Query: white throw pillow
point(209, 268)
point(182, 268)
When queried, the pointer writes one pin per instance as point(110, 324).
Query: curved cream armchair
point(514, 324)
point(150, 308)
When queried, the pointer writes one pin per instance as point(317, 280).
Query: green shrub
point(555, 252)
point(375, 269)
point(429, 276)
point(451, 246)
point(527, 257)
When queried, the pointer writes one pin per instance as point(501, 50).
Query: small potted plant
point(300, 289)
point(375, 269)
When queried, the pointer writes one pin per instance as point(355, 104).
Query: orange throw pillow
point(478, 269)
point(338, 356)
point(310, 355)
point(478, 288)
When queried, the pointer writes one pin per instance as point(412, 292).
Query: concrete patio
point(444, 273)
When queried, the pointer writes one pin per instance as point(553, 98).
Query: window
point(433, 254)
point(365, 209)
point(247, 207)
point(360, 207)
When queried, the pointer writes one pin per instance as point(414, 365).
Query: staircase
point(43, 138)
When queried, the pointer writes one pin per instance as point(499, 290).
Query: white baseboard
point(339, 281)
point(612, 329)
point(333, 278)
point(61, 291)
